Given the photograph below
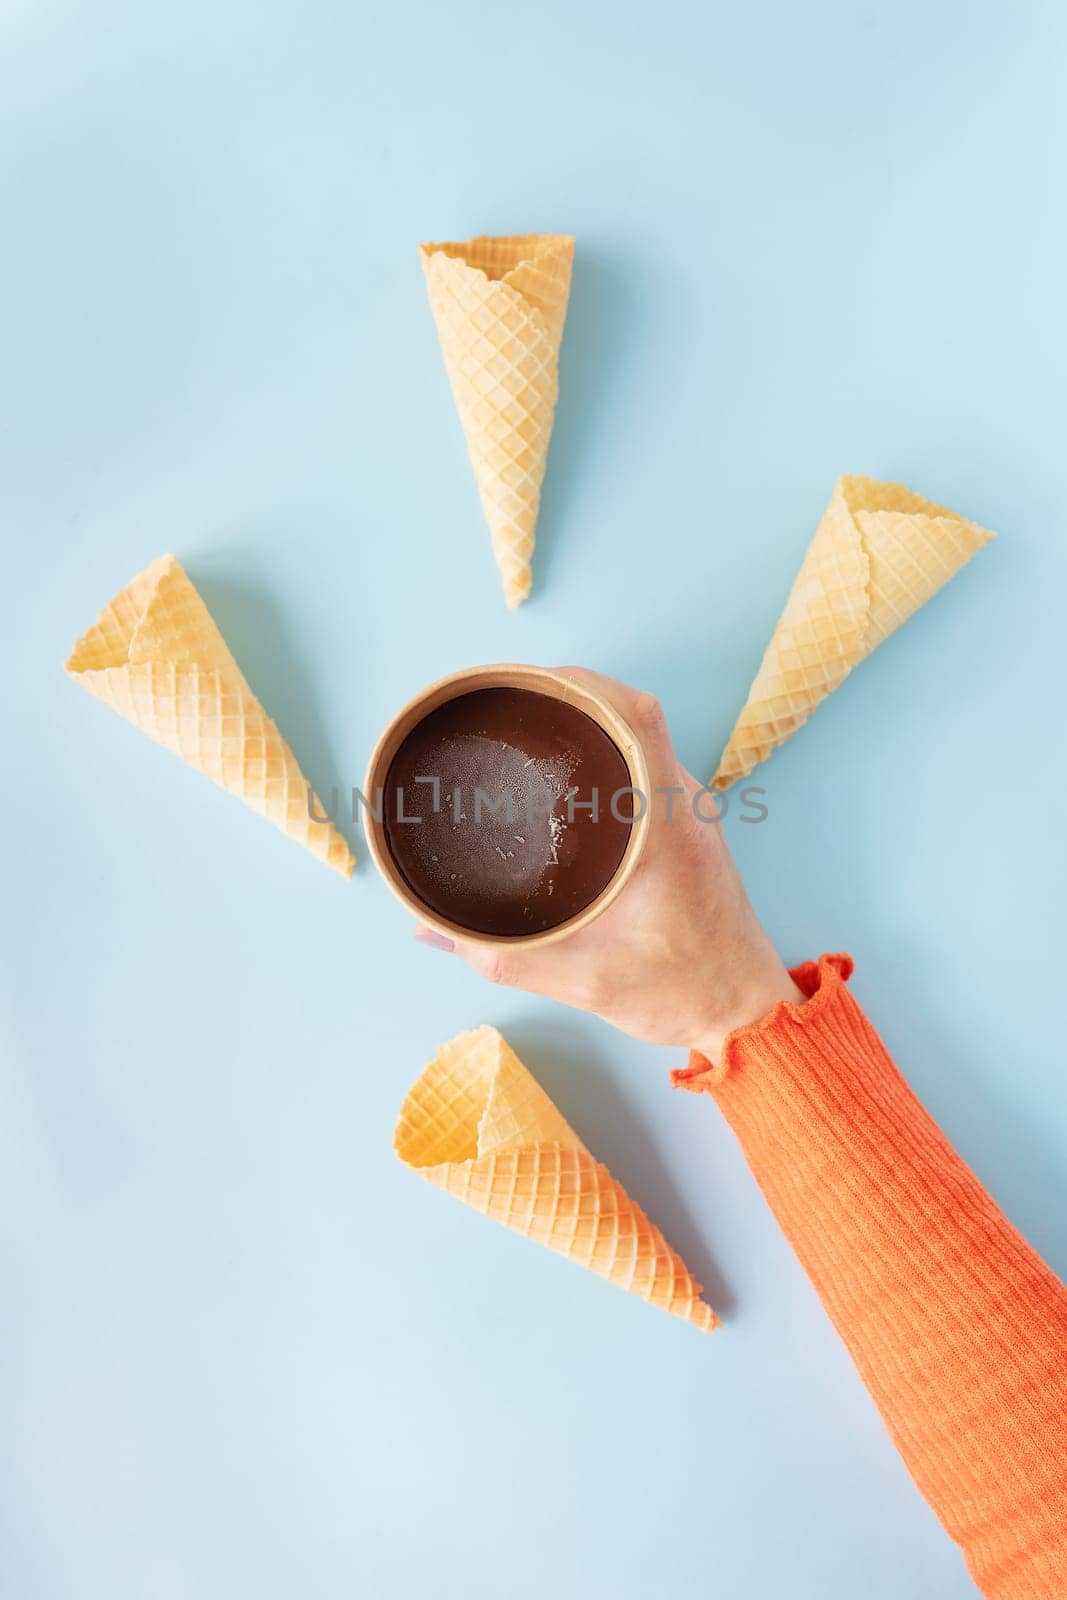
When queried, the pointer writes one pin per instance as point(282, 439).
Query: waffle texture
point(478, 1125)
point(500, 305)
point(156, 656)
point(957, 1327)
point(880, 552)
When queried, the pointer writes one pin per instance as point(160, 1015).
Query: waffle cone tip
point(517, 589)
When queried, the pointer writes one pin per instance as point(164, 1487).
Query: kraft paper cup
point(505, 676)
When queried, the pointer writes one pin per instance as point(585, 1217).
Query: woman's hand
point(679, 958)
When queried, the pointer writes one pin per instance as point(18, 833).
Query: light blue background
point(244, 1351)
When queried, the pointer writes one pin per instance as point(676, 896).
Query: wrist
point(751, 995)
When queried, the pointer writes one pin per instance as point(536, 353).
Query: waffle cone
point(499, 305)
point(880, 552)
point(479, 1126)
point(156, 656)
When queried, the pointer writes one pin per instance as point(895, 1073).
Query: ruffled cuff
point(821, 982)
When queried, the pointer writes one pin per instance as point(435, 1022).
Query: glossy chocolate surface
point(505, 841)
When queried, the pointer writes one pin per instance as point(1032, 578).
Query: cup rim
point(504, 675)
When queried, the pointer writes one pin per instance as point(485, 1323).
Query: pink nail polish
point(434, 941)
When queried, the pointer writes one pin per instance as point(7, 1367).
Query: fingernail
point(434, 941)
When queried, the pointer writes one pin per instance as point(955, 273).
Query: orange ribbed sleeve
point(957, 1327)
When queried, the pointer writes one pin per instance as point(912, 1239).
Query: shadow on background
point(602, 318)
point(265, 648)
point(582, 1086)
